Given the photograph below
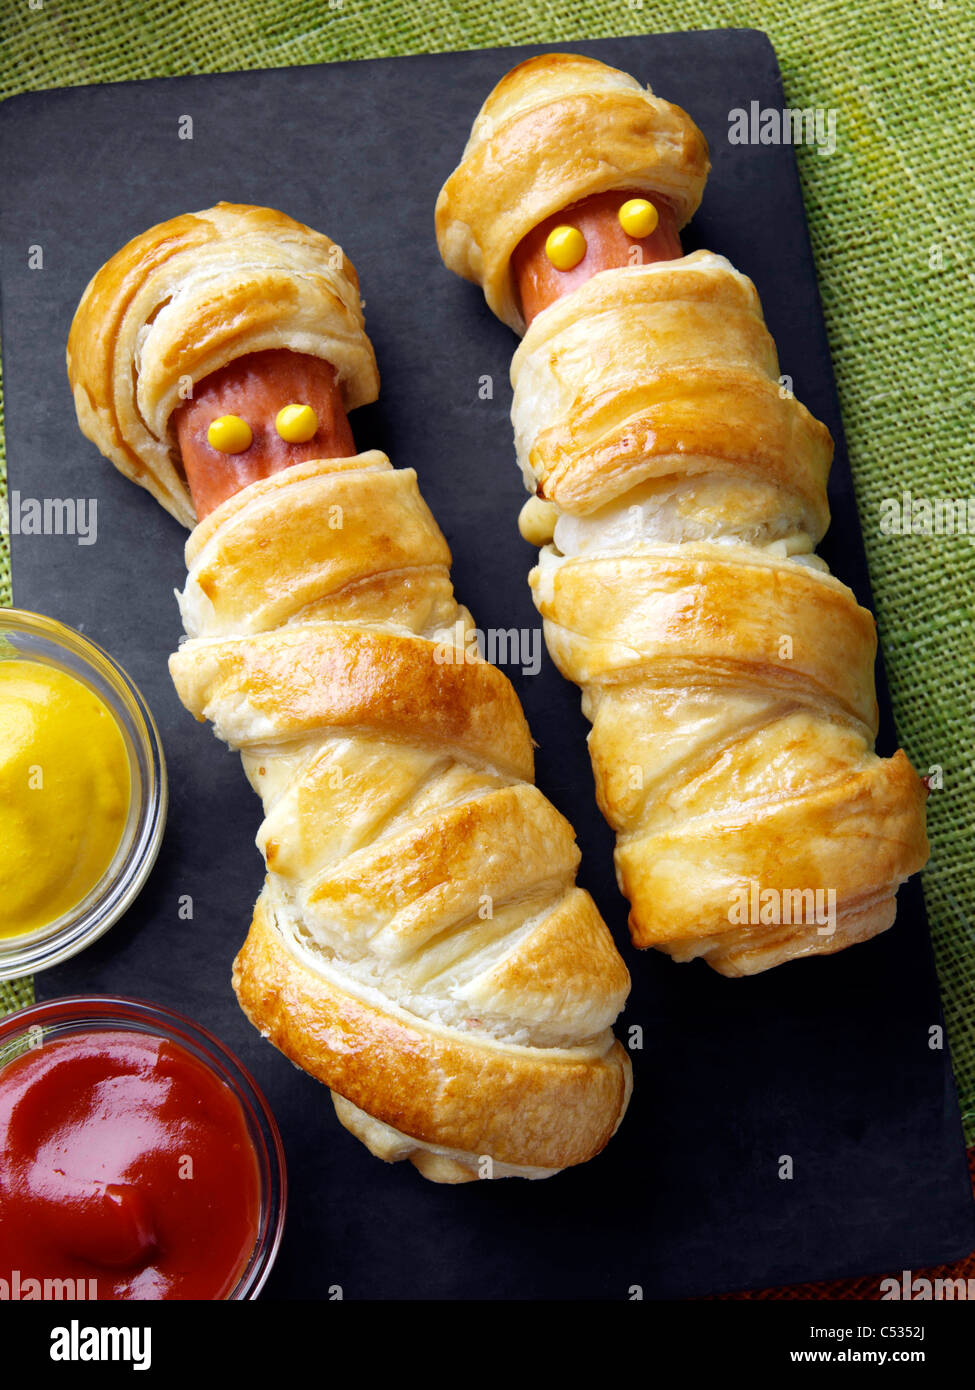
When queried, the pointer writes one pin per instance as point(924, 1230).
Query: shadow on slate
point(827, 1061)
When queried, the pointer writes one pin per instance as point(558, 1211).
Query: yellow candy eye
point(565, 247)
point(638, 217)
point(230, 434)
point(296, 423)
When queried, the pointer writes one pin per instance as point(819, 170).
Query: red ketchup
point(127, 1164)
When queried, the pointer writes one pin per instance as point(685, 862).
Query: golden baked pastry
point(185, 298)
point(666, 371)
point(420, 944)
point(556, 129)
point(731, 696)
point(678, 492)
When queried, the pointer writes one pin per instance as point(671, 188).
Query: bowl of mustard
point(82, 792)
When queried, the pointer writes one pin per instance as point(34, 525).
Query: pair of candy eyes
point(229, 434)
point(565, 246)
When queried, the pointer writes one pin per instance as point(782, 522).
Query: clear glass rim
point(85, 1012)
point(115, 892)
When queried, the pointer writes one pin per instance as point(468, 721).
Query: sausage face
point(254, 388)
point(607, 246)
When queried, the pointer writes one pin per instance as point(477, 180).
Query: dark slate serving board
point(827, 1061)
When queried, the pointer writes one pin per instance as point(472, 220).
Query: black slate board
point(827, 1061)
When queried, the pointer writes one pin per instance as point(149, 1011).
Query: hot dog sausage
point(253, 389)
point(606, 245)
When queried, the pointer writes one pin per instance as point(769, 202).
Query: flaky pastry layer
point(185, 298)
point(556, 129)
point(420, 945)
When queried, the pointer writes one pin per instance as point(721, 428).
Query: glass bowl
point(39, 1023)
point(34, 637)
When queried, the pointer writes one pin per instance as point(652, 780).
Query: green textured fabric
point(891, 220)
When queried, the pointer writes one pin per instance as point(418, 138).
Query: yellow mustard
point(64, 793)
point(565, 247)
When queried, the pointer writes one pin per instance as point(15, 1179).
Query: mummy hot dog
point(678, 496)
point(419, 945)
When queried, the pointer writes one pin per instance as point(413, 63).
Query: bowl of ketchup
point(138, 1159)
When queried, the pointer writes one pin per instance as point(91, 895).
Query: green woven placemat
point(891, 221)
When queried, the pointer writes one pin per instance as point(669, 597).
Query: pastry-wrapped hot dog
point(420, 945)
point(556, 132)
point(186, 299)
point(679, 494)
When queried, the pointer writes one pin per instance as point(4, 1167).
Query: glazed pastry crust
point(420, 945)
point(728, 678)
point(184, 299)
point(556, 129)
point(725, 755)
point(704, 608)
point(661, 371)
point(523, 1107)
point(436, 1163)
